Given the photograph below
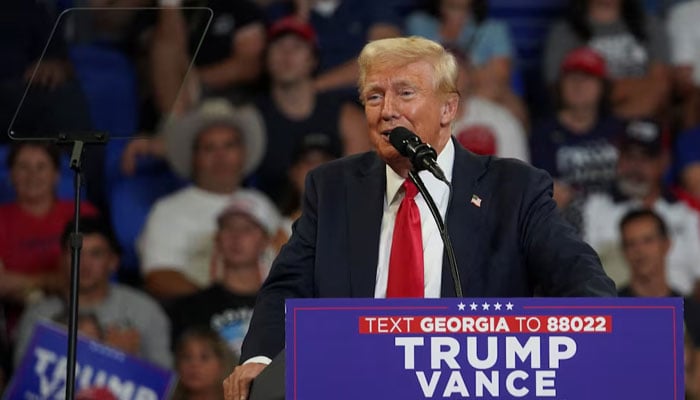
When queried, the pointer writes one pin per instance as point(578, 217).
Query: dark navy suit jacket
point(514, 244)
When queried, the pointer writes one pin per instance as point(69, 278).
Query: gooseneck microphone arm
point(449, 250)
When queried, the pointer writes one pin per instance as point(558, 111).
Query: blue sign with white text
point(526, 348)
point(101, 371)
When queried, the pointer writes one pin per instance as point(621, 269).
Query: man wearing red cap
point(633, 45)
point(576, 145)
point(343, 28)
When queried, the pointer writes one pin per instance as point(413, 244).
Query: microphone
point(422, 155)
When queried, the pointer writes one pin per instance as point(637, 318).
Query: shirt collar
point(445, 161)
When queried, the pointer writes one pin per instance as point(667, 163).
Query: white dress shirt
point(432, 242)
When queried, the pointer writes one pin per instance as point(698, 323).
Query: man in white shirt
point(640, 168)
point(214, 146)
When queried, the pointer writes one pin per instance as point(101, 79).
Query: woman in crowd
point(31, 227)
point(463, 24)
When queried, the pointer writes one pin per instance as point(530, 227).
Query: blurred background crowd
point(234, 107)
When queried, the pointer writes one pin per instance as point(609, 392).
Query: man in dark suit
point(508, 238)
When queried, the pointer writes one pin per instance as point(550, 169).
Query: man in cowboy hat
point(215, 147)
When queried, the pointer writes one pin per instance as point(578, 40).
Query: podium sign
point(42, 372)
point(529, 348)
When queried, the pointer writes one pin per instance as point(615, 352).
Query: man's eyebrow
point(371, 88)
point(402, 83)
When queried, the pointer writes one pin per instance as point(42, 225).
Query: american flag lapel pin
point(476, 200)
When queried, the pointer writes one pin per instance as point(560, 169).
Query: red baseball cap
point(479, 139)
point(586, 60)
point(294, 26)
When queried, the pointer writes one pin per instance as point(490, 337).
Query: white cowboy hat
point(180, 133)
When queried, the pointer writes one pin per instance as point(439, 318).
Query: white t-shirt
point(509, 138)
point(179, 233)
point(602, 217)
point(684, 34)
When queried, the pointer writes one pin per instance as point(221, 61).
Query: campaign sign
point(42, 372)
point(525, 348)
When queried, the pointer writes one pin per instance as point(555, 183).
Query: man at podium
point(365, 232)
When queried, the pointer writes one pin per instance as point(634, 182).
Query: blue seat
point(131, 198)
point(529, 23)
point(108, 79)
point(7, 194)
point(109, 82)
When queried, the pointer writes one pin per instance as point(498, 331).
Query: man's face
point(97, 262)
point(241, 241)
point(638, 174)
point(580, 90)
point(290, 59)
point(644, 247)
point(218, 159)
point(406, 96)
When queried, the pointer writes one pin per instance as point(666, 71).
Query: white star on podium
point(485, 306)
point(497, 306)
point(473, 306)
point(461, 306)
point(509, 306)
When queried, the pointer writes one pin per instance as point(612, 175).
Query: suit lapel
point(464, 219)
point(365, 205)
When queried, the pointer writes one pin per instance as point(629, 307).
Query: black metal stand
point(79, 142)
point(416, 179)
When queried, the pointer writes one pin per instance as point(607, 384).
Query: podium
point(530, 348)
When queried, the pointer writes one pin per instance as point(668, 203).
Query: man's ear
point(449, 109)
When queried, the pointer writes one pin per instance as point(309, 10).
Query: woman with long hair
point(464, 25)
point(202, 360)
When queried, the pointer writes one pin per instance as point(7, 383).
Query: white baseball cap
point(255, 205)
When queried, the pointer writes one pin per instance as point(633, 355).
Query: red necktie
point(406, 259)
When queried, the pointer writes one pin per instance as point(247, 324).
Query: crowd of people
point(237, 105)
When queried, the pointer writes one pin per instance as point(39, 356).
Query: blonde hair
point(401, 51)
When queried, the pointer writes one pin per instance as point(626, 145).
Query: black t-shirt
point(626, 291)
point(584, 161)
point(691, 312)
point(284, 136)
point(215, 307)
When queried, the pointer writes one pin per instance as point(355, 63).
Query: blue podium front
point(525, 348)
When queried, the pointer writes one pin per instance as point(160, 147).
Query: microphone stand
point(416, 179)
point(78, 140)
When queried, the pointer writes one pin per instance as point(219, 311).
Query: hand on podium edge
point(237, 385)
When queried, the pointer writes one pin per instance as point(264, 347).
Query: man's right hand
point(237, 385)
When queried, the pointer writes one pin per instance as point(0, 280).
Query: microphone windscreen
point(400, 138)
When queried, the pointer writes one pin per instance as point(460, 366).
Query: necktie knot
point(410, 189)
